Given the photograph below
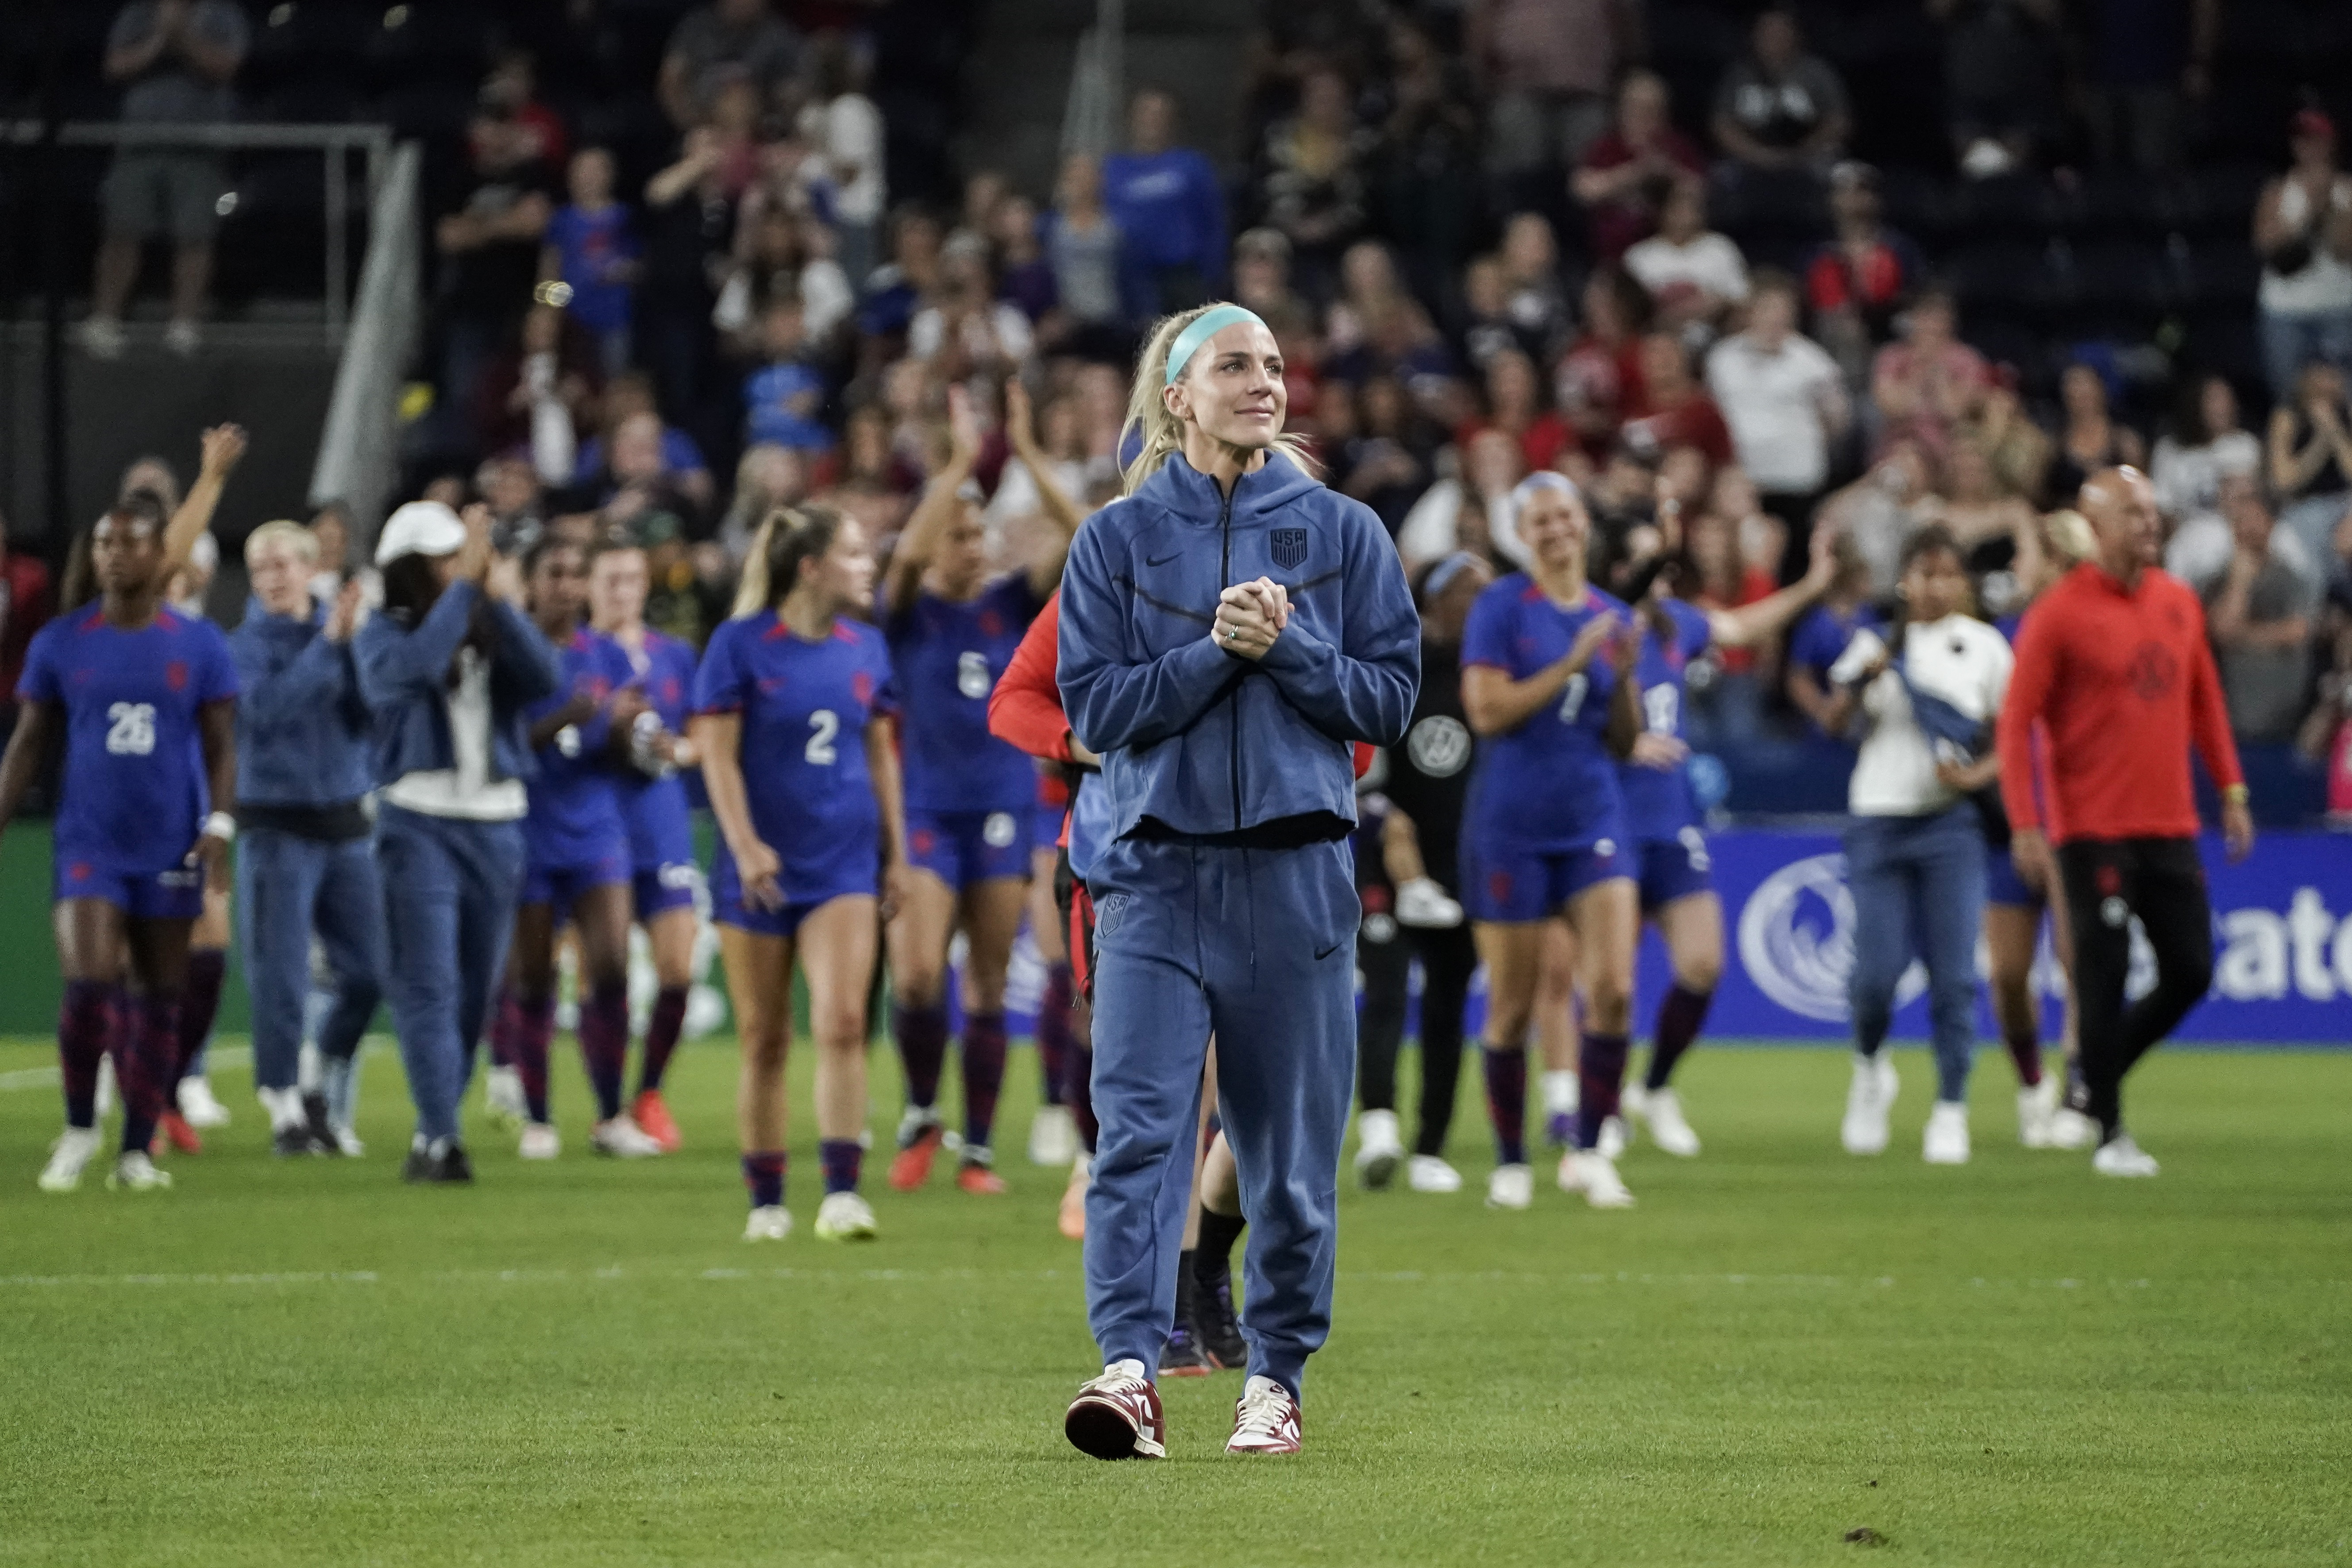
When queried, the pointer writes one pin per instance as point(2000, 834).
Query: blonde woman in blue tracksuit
point(1228, 630)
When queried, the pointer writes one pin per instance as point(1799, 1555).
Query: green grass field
point(580, 1364)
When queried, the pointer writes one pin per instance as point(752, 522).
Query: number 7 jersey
point(1550, 784)
point(804, 708)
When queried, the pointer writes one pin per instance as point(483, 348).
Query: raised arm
point(1362, 689)
point(1020, 429)
point(1752, 624)
point(394, 664)
point(223, 446)
point(1113, 700)
point(938, 509)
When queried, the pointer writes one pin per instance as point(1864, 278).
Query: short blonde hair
point(293, 536)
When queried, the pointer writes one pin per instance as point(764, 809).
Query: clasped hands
point(1250, 616)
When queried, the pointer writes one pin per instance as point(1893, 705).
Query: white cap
point(420, 527)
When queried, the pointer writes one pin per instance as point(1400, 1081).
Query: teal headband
point(1206, 326)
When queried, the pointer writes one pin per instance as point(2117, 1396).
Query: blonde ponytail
point(787, 536)
point(752, 588)
point(1161, 434)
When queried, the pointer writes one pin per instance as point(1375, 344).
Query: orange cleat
point(911, 1168)
point(653, 1119)
point(1073, 1221)
point(172, 1127)
point(980, 1182)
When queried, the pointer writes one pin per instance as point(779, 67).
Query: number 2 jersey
point(948, 658)
point(1549, 785)
point(804, 708)
point(1658, 802)
point(133, 795)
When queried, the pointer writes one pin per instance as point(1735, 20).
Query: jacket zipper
point(1233, 698)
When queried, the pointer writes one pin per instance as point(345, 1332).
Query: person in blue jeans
point(447, 671)
point(306, 868)
point(1929, 689)
point(1228, 631)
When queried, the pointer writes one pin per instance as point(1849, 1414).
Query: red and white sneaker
point(1266, 1420)
point(911, 1166)
point(652, 1116)
point(1116, 1416)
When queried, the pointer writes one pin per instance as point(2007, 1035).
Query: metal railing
point(1090, 119)
point(335, 142)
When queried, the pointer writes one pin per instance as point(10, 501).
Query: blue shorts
point(2003, 886)
point(1674, 868)
point(174, 893)
point(1510, 886)
point(657, 889)
point(962, 847)
point(560, 887)
point(727, 907)
point(661, 846)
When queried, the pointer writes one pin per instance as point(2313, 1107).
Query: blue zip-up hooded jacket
point(1204, 741)
point(403, 675)
point(301, 729)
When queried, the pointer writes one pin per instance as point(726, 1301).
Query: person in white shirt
point(1693, 274)
point(1929, 693)
point(1786, 404)
point(2205, 443)
point(846, 127)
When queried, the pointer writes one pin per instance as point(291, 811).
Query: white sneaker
point(1428, 1174)
point(2119, 1156)
point(1663, 1113)
point(1422, 904)
point(1867, 1101)
point(1052, 1136)
point(1615, 1136)
point(2037, 1113)
point(1511, 1187)
point(622, 1139)
point(68, 1156)
point(2070, 1129)
point(1379, 1149)
point(135, 1173)
point(198, 1104)
point(845, 1217)
point(183, 338)
point(347, 1142)
point(771, 1224)
point(102, 337)
point(540, 1142)
point(502, 1097)
point(1594, 1175)
point(1947, 1143)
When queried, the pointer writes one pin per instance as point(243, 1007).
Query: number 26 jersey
point(804, 708)
point(1550, 784)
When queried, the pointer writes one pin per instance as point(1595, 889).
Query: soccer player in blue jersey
point(576, 863)
point(1673, 870)
point(663, 875)
point(1548, 685)
point(144, 702)
point(970, 797)
point(791, 707)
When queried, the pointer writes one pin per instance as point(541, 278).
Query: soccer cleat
point(917, 1147)
point(539, 1141)
point(502, 1098)
point(651, 1113)
point(1380, 1150)
point(845, 1217)
point(976, 1175)
point(135, 1173)
point(2119, 1156)
point(1663, 1110)
point(1615, 1136)
point(1422, 904)
point(172, 1127)
point(441, 1162)
point(1052, 1136)
point(622, 1139)
point(1116, 1416)
point(1511, 1187)
point(1266, 1420)
point(2037, 1113)
point(69, 1157)
point(197, 1103)
point(1594, 1173)
point(1947, 1140)
point(1072, 1220)
point(1428, 1174)
point(1867, 1101)
point(772, 1223)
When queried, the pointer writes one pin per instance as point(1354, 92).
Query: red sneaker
point(980, 1181)
point(1266, 1420)
point(912, 1165)
point(1116, 1416)
point(653, 1120)
point(173, 1129)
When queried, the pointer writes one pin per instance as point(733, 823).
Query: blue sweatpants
point(449, 890)
point(1255, 946)
point(288, 887)
point(1918, 886)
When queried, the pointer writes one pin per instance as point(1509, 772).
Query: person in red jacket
point(2113, 663)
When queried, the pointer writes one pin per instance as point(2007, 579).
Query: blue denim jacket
point(404, 676)
point(301, 729)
